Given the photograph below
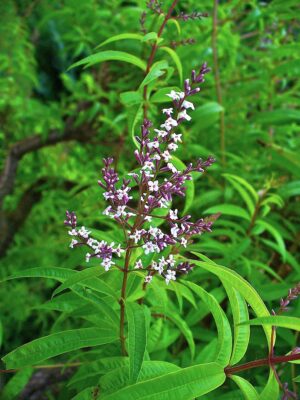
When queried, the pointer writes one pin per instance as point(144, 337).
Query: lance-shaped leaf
point(81, 277)
point(281, 321)
point(187, 384)
point(110, 55)
point(223, 327)
point(249, 392)
point(137, 339)
point(242, 286)
point(241, 333)
point(58, 343)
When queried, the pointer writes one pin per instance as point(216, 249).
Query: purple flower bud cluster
point(155, 6)
point(184, 42)
point(158, 180)
point(293, 294)
point(194, 15)
point(143, 22)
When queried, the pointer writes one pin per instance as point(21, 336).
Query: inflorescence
point(158, 180)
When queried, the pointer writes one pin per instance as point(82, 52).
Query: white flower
point(118, 250)
point(170, 276)
point(154, 144)
point(176, 138)
point(172, 146)
point(176, 95)
point(183, 242)
point(163, 203)
point(187, 104)
point(107, 263)
point(167, 110)
point(156, 157)
point(172, 168)
point(174, 231)
point(148, 278)
point(166, 155)
point(153, 231)
point(153, 186)
point(171, 260)
point(136, 236)
point(84, 232)
point(148, 174)
point(148, 218)
point(73, 232)
point(138, 265)
point(169, 123)
point(93, 243)
point(160, 133)
point(148, 165)
point(108, 195)
point(150, 247)
point(184, 115)
point(173, 214)
point(121, 212)
point(73, 242)
point(108, 211)
point(87, 257)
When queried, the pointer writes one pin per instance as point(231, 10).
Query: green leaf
point(247, 389)
point(59, 274)
point(187, 383)
point(110, 55)
point(121, 36)
point(16, 384)
point(137, 339)
point(281, 321)
point(85, 394)
point(223, 327)
point(182, 325)
point(58, 343)
point(81, 276)
point(229, 209)
point(155, 72)
point(243, 187)
point(149, 36)
point(242, 286)
point(176, 60)
point(271, 390)
point(131, 98)
point(241, 333)
point(277, 236)
point(297, 379)
point(118, 378)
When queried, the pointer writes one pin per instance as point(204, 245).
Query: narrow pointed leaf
point(110, 55)
point(137, 339)
point(186, 384)
point(58, 343)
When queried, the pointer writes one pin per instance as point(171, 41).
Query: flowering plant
point(157, 181)
point(144, 308)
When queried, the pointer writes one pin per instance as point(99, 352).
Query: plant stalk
point(218, 80)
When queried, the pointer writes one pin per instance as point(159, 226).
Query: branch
point(36, 142)
point(11, 222)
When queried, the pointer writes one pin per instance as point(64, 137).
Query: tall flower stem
point(218, 80)
point(122, 301)
point(154, 50)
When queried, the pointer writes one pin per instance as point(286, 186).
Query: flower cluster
point(101, 250)
point(159, 179)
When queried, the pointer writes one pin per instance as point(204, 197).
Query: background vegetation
point(56, 125)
